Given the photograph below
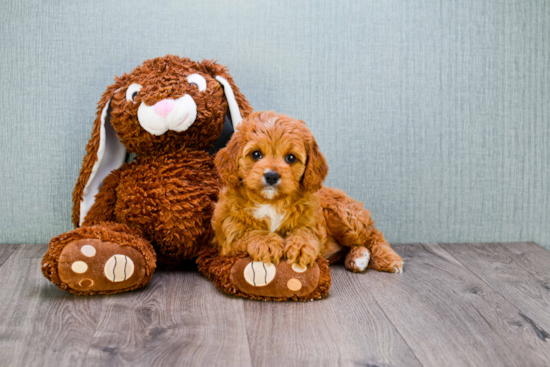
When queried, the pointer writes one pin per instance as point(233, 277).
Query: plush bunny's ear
point(234, 109)
point(104, 153)
point(238, 105)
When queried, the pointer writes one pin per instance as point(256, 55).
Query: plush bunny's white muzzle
point(168, 114)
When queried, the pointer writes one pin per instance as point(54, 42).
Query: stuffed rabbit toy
point(169, 111)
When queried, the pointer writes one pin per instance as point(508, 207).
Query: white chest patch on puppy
point(267, 211)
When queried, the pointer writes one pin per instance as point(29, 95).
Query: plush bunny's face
point(164, 105)
point(169, 102)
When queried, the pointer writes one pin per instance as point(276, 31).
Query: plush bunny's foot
point(90, 265)
point(114, 262)
point(287, 281)
point(241, 276)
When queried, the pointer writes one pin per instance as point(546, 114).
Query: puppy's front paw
point(267, 249)
point(301, 250)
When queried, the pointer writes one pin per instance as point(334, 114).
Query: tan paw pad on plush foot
point(93, 265)
point(268, 280)
point(258, 273)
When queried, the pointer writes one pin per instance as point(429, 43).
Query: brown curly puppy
point(272, 170)
point(169, 111)
point(273, 206)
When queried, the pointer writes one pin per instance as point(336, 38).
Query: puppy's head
point(273, 156)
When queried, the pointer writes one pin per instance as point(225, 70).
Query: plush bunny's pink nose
point(164, 107)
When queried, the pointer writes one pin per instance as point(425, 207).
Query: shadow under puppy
point(274, 207)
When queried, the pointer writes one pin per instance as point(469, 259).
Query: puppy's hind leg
point(352, 226)
point(357, 259)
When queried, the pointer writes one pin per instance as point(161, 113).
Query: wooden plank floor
point(454, 305)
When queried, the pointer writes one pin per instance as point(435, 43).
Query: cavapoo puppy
point(274, 206)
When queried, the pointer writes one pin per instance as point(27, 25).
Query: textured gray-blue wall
point(436, 114)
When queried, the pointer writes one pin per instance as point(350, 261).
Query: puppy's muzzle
point(271, 178)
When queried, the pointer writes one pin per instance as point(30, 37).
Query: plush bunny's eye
point(132, 92)
point(198, 80)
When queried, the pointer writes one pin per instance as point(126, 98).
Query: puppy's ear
point(316, 167)
point(227, 161)
point(104, 153)
point(238, 105)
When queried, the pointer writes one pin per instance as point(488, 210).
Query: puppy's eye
point(290, 159)
point(257, 155)
point(132, 92)
point(198, 80)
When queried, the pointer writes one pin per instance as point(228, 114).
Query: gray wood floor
point(454, 305)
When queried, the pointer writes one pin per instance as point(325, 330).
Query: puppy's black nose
point(271, 178)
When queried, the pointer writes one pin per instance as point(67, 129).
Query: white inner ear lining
point(234, 110)
point(111, 154)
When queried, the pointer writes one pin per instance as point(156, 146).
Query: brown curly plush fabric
point(170, 198)
point(160, 204)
